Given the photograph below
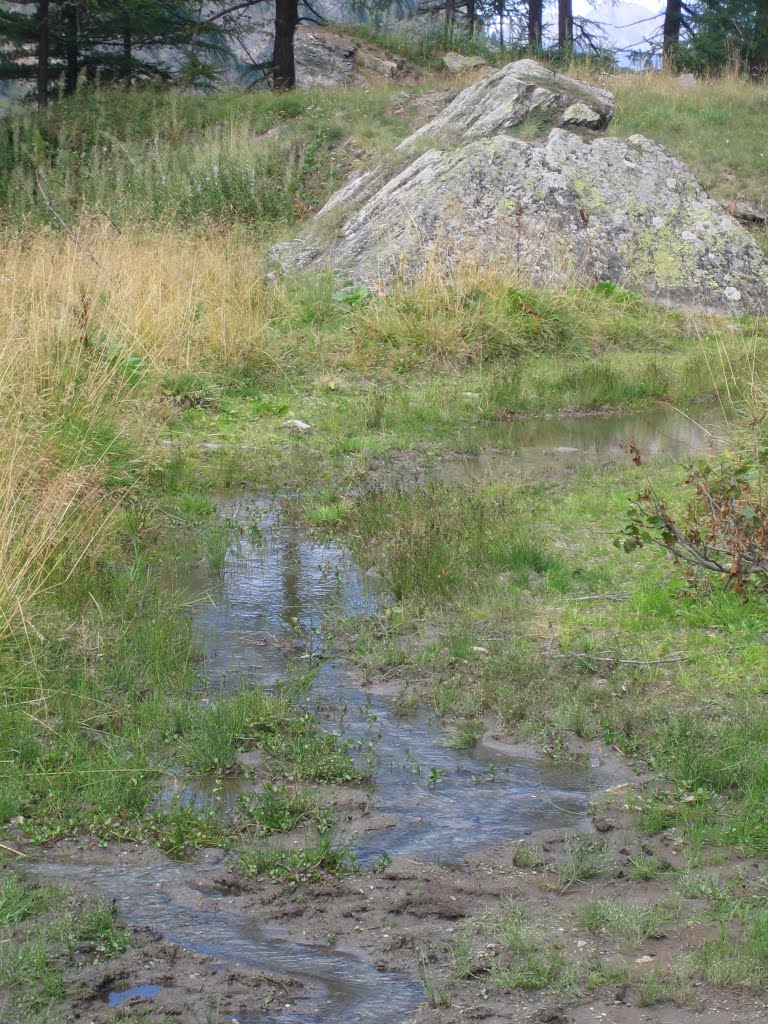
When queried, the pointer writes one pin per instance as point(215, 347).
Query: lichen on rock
point(568, 206)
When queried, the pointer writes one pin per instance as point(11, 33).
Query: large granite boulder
point(565, 207)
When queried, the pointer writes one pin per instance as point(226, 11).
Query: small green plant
point(20, 899)
point(277, 809)
point(531, 972)
point(178, 826)
point(436, 997)
point(353, 295)
point(583, 858)
point(645, 868)
point(383, 861)
point(524, 857)
point(435, 775)
point(311, 861)
point(98, 926)
point(463, 959)
point(633, 922)
point(658, 986)
point(512, 930)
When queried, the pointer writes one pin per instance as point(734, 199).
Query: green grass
point(34, 960)
point(521, 959)
point(19, 899)
point(636, 923)
point(435, 542)
point(584, 857)
point(312, 860)
point(165, 158)
point(118, 719)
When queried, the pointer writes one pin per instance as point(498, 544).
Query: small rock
point(579, 115)
point(458, 62)
point(552, 1017)
point(688, 81)
point(749, 213)
point(603, 824)
point(297, 425)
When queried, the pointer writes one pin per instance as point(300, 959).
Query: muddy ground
point(411, 917)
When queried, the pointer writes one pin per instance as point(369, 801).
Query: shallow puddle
point(549, 447)
point(263, 618)
point(339, 986)
point(119, 995)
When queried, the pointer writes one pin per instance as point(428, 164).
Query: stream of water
point(264, 617)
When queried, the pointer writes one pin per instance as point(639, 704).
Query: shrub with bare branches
point(724, 527)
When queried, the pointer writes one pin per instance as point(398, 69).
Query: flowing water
point(166, 898)
point(264, 617)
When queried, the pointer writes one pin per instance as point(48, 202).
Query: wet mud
point(435, 839)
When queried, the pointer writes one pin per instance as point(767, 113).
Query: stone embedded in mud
point(522, 91)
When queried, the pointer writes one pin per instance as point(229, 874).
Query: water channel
point(265, 617)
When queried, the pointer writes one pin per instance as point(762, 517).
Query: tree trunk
point(450, 12)
point(471, 16)
point(127, 53)
point(673, 22)
point(564, 24)
point(43, 57)
point(71, 47)
point(500, 8)
point(283, 60)
point(760, 58)
point(535, 18)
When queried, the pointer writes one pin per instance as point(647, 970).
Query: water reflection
point(549, 447)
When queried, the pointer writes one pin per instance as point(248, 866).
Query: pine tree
point(56, 42)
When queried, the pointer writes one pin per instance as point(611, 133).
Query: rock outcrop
point(326, 59)
point(566, 206)
point(523, 91)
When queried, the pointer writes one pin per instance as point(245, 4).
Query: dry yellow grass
point(78, 321)
point(88, 326)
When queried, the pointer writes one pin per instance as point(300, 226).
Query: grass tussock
point(43, 930)
point(86, 341)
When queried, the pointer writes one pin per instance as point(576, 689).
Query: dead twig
point(10, 849)
point(586, 656)
point(60, 220)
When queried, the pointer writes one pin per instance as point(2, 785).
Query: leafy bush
point(723, 529)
